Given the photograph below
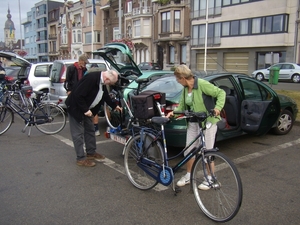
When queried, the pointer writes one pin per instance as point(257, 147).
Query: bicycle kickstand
point(29, 132)
point(175, 188)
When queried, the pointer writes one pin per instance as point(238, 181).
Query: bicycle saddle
point(159, 120)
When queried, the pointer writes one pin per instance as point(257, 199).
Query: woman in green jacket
point(191, 99)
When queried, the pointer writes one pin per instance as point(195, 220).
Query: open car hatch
point(119, 56)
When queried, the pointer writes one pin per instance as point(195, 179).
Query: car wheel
point(296, 78)
point(259, 77)
point(284, 123)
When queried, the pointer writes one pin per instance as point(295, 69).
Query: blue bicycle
point(147, 164)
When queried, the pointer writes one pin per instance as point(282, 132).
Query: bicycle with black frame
point(147, 164)
point(121, 121)
point(48, 117)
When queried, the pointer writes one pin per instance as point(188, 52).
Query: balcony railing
point(52, 53)
point(52, 36)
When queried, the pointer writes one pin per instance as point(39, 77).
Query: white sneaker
point(97, 133)
point(204, 186)
point(183, 181)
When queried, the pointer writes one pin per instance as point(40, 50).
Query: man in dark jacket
point(82, 104)
point(75, 72)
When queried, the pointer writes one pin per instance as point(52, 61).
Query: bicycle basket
point(27, 91)
point(144, 105)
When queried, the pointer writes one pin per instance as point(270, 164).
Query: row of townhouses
point(226, 35)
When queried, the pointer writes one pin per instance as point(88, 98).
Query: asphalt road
point(41, 184)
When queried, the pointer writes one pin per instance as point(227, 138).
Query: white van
point(57, 92)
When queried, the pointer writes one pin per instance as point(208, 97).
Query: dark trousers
point(83, 133)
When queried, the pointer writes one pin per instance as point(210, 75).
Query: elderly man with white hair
point(82, 104)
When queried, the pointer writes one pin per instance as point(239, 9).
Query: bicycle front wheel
point(6, 118)
point(152, 150)
point(49, 118)
point(223, 197)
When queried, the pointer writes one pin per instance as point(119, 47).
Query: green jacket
point(207, 88)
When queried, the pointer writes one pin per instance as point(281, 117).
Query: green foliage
point(164, 2)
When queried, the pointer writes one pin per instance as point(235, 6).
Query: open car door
point(119, 57)
point(260, 108)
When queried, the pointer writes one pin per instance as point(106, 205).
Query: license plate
point(119, 139)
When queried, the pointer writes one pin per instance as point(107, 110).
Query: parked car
point(288, 71)
point(149, 66)
point(58, 76)
point(33, 74)
point(37, 76)
point(251, 107)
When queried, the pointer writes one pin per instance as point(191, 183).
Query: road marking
point(266, 152)
point(160, 187)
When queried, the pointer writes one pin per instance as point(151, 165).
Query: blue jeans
point(83, 133)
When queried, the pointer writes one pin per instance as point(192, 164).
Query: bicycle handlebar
point(199, 115)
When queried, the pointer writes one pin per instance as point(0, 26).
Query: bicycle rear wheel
point(113, 117)
point(6, 118)
point(132, 157)
point(224, 198)
point(49, 118)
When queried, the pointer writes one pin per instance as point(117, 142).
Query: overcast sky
point(13, 5)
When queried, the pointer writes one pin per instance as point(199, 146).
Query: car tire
point(284, 123)
point(296, 78)
point(259, 77)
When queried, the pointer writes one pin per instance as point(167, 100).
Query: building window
point(90, 18)
point(183, 54)
point(88, 37)
point(244, 27)
point(176, 21)
point(77, 36)
point(198, 8)
point(146, 28)
point(256, 24)
point(172, 54)
point(74, 37)
point(260, 25)
point(64, 35)
point(165, 20)
point(213, 34)
point(116, 33)
point(137, 28)
point(97, 35)
point(234, 28)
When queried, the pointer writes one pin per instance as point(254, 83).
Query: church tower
point(9, 31)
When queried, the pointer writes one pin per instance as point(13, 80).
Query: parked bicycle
point(147, 164)
point(47, 117)
point(122, 120)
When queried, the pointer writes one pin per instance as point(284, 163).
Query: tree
point(126, 41)
point(22, 53)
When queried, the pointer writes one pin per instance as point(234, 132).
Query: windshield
point(167, 84)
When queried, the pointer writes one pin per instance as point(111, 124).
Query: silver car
point(288, 71)
point(57, 92)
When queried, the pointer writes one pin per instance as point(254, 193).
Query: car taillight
point(26, 83)
point(170, 108)
point(7, 78)
point(156, 96)
point(62, 77)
